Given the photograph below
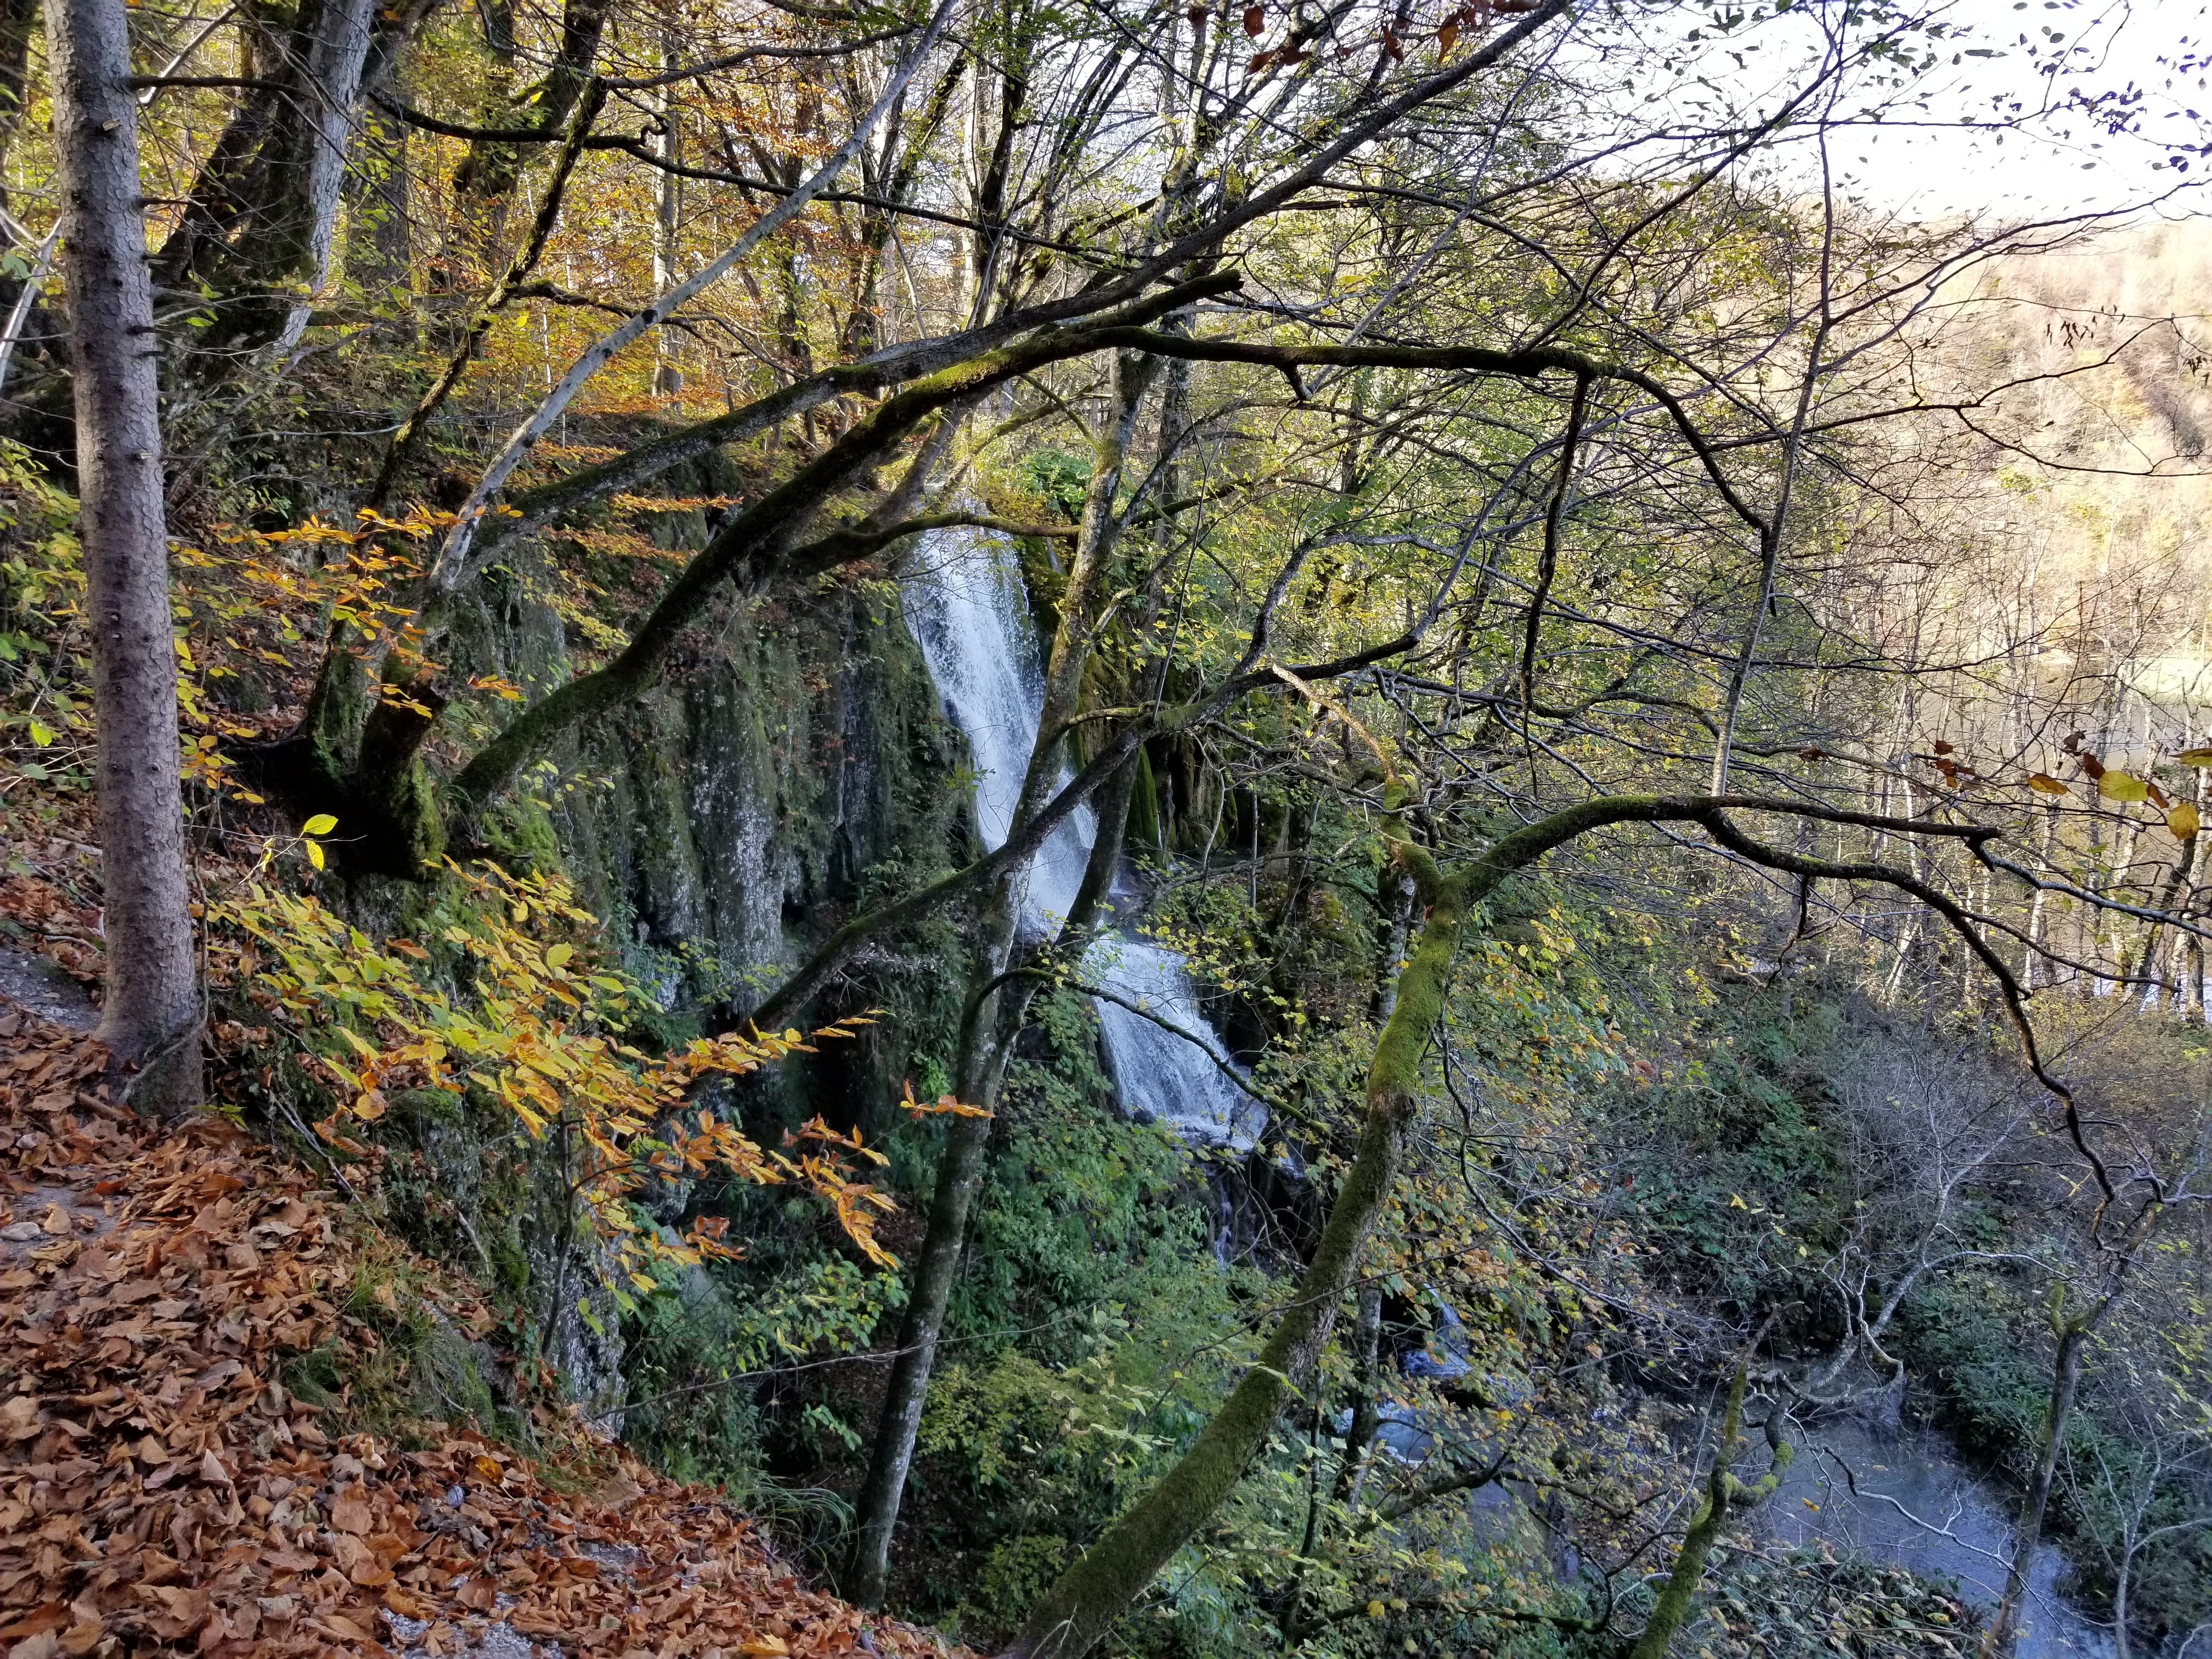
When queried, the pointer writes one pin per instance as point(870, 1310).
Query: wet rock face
point(583, 1338)
point(729, 818)
point(793, 767)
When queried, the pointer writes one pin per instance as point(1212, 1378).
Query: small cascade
point(966, 607)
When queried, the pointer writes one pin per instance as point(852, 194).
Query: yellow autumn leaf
point(2116, 785)
point(2196, 757)
point(315, 854)
point(2183, 820)
point(321, 824)
point(2044, 784)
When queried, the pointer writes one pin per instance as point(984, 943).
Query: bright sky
point(2067, 160)
point(2030, 61)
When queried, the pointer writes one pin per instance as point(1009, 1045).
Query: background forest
point(1321, 827)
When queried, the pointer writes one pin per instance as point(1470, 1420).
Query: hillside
point(1168, 831)
point(174, 1481)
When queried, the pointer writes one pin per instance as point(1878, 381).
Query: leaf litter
point(162, 1492)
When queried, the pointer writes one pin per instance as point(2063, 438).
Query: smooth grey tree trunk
point(668, 217)
point(959, 1174)
point(987, 1044)
point(151, 1016)
point(336, 61)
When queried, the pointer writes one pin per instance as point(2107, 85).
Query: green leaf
point(41, 735)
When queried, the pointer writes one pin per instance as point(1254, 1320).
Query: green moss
point(316, 1377)
point(398, 1363)
point(411, 818)
point(1143, 835)
point(447, 1382)
point(519, 835)
point(335, 710)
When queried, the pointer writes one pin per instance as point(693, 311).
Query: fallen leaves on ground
point(162, 1492)
point(1806, 1601)
point(52, 912)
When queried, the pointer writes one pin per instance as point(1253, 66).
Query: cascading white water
point(966, 608)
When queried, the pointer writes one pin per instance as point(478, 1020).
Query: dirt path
point(31, 981)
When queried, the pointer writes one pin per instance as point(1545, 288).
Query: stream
point(966, 607)
point(1967, 1536)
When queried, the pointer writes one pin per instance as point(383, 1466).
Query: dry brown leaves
point(161, 1493)
point(55, 912)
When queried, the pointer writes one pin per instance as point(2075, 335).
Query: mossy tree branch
point(389, 795)
point(1078, 1609)
point(1723, 1493)
point(751, 548)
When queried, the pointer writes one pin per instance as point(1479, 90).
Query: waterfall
point(966, 608)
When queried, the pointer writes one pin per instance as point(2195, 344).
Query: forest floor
point(161, 1490)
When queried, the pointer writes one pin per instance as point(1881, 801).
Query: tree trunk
point(959, 1173)
point(315, 183)
point(987, 1039)
point(668, 219)
point(1089, 1595)
point(997, 1009)
point(876, 1512)
point(1396, 900)
point(1367, 1403)
point(151, 1016)
point(1078, 1610)
point(260, 220)
point(2065, 1379)
point(1724, 1495)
